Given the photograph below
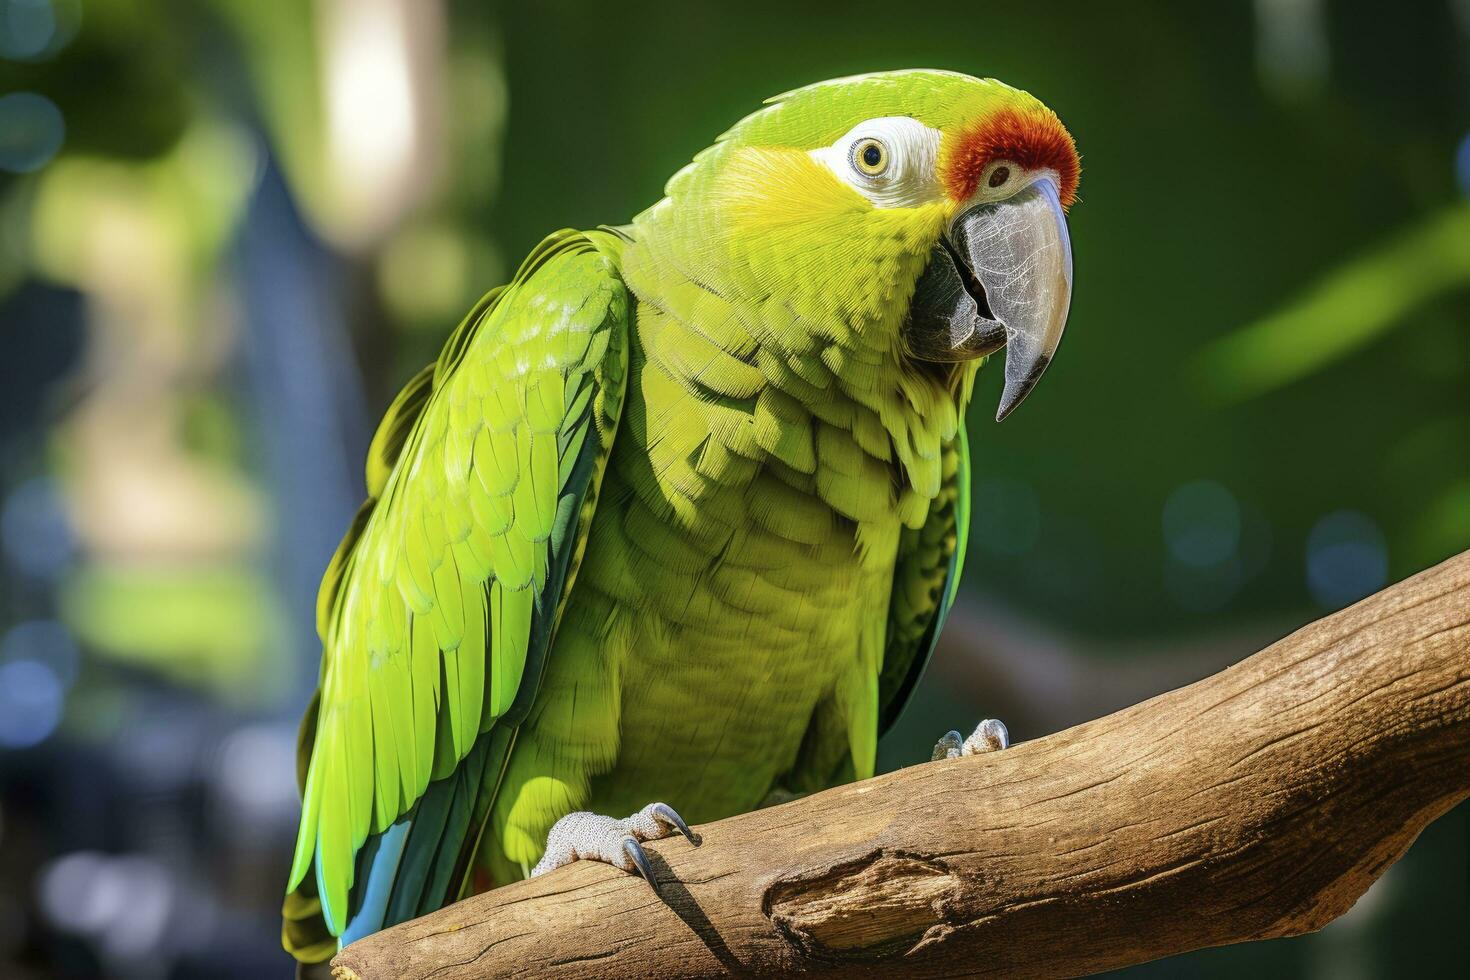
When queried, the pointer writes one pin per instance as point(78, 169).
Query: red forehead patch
point(1032, 138)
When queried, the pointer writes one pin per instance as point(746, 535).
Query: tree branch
point(1256, 803)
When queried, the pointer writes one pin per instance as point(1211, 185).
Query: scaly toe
point(951, 746)
point(593, 837)
point(989, 736)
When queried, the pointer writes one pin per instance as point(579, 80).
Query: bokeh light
point(256, 778)
point(1292, 52)
point(31, 131)
point(69, 894)
point(1201, 524)
point(31, 702)
point(26, 27)
point(35, 534)
point(1347, 559)
point(1208, 552)
point(123, 902)
point(31, 30)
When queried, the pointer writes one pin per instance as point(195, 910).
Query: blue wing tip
point(377, 884)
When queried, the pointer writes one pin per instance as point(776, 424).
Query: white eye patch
point(890, 160)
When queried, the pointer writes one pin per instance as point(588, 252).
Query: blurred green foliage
point(219, 629)
point(1348, 309)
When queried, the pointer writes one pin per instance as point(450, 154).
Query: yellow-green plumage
point(427, 611)
point(672, 518)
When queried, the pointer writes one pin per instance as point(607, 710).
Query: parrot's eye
point(870, 157)
point(999, 176)
point(893, 161)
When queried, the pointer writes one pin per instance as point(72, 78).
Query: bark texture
point(1259, 802)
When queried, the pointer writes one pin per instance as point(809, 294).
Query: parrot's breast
point(724, 661)
point(725, 631)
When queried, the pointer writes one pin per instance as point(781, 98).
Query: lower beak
point(1000, 278)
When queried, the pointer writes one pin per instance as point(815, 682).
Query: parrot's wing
point(438, 610)
point(926, 577)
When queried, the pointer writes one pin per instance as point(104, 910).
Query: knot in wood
point(880, 905)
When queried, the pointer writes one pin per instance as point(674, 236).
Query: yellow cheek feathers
point(787, 221)
point(764, 191)
point(771, 187)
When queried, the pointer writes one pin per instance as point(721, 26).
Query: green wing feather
point(926, 578)
point(437, 611)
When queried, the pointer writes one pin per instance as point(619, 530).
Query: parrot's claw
point(593, 837)
point(634, 850)
point(989, 736)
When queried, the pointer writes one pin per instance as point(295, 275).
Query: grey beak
point(1003, 278)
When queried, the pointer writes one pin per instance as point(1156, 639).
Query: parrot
point(673, 522)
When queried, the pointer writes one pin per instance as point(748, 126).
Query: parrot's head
point(914, 219)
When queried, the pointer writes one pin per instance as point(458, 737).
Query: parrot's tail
point(304, 932)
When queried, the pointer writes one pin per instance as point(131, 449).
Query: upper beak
point(1002, 277)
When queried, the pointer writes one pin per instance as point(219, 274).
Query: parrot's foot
point(990, 736)
point(592, 837)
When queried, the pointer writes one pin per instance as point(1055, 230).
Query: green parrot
point(677, 515)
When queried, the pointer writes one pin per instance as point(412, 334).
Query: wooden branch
point(1256, 803)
